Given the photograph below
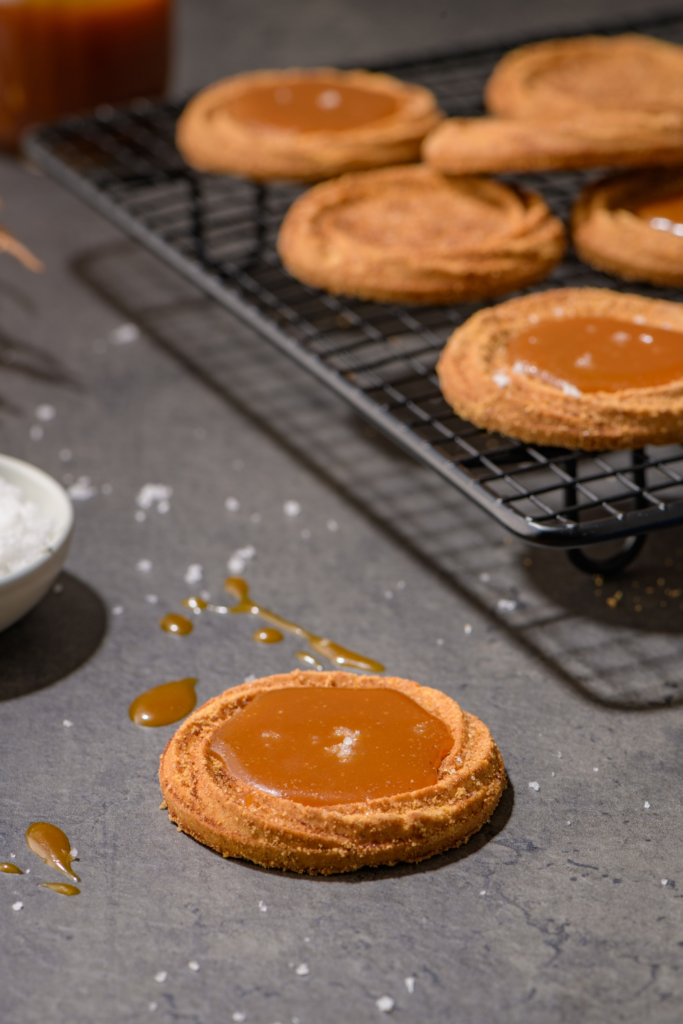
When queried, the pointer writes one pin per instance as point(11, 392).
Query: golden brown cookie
point(577, 367)
point(305, 124)
point(408, 234)
point(492, 145)
point(560, 77)
point(224, 809)
point(631, 225)
point(592, 101)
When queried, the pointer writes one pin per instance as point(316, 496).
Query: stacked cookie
point(388, 229)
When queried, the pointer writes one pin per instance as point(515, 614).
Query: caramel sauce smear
point(164, 704)
point(332, 652)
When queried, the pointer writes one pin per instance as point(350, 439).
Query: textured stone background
point(565, 909)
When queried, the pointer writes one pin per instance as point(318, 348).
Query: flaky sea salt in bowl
point(36, 522)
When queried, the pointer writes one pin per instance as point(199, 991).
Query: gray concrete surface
point(565, 908)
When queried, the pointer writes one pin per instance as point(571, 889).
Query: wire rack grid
point(220, 232)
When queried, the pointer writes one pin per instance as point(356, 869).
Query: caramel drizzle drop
point(63, 888)
point(178, 625)
point(51, 845)
point(164, 704)
point(329, 650)
point(9, 868)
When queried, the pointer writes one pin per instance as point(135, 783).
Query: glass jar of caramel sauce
point(68, 56)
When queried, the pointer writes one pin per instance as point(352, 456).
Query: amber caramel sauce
point(51, 845)
point(311, 106)
point(308, 659)
point(9, 868)
point(326, 745)
point(329, 650)
point(597, 354)
point(63, 888)
point(164, 704)
point(267, 636)
point(72, 55)
point(178, 625)
point(667, 208)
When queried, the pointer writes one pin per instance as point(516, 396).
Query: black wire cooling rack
point(220, 233)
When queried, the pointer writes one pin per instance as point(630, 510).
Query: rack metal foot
point(608, 566)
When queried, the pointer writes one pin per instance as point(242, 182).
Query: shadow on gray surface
point(617, 657)
point(53, 640)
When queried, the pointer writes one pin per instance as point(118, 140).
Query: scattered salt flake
point(12, 855)
point(484, 577)
point(36, 432)
point(117, 609)
point(440, 642)
point(291, 508)
point(161, 976)
point(66, 455)
point(262, 906)
point(28, 871)
point(410, 984)
point(151, 599)
point(505, 605)
point(385, 1004)
point(144, 565)
point(483, 892)
point(232, 504)
point(534, 785)
point(67, 723)
point(332, 525)
point(73, 852)
point(302, 970)
point(388, 594)
point(124, 334)
point(646, 805)
point(552, 774)
point(500, 378)
point(569, 822)
point(238, 559)
point(83, 489)
point(249, 679)
point(152, 1007)
point(163, 507)
point(239, 1017)
point(595, 769)
point(45, 413)
point(18, 905)
point(154, 494)
point(468, 629)
point(665, 881)
point(193, 965)
point(193, 574)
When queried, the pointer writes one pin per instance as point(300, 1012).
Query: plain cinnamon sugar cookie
point(236, 775)
point(409, 234)
point(576, 367)
point(305, 123)
point(591, 101)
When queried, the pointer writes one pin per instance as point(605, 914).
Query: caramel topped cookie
point(324, 772)
point(572, 103)
point(408, 234)
point(576, 367)
point(305, 124)
point(631, 225)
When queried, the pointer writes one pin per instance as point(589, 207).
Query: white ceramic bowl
point(21, 590)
